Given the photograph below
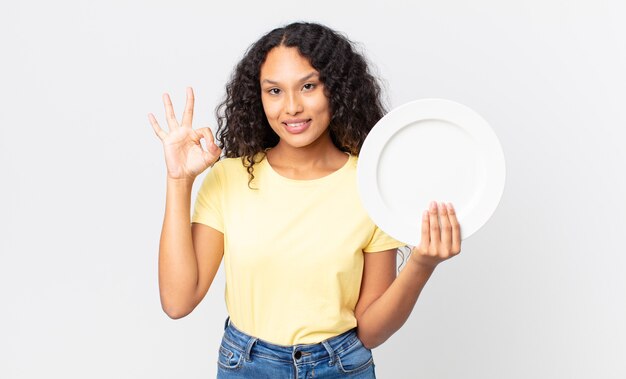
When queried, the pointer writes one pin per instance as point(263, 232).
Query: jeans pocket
point(355, 358)
point(229, 358)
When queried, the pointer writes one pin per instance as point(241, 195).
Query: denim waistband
point(300, 353)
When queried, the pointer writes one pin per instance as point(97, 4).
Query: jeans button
point(298, 354)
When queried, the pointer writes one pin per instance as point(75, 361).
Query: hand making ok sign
point(184, 155)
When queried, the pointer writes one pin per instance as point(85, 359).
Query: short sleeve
point(381, 241)
point(209, 201)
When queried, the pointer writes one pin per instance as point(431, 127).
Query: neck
point(310, 162)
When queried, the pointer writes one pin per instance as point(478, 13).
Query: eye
point(273, 91)
point(308, 86)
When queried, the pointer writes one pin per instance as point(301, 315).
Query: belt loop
point(249, 348)
point(331, 352)
point(226, 322)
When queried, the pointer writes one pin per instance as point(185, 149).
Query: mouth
point(297, 126)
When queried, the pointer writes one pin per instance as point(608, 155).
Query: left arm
point(386, 301)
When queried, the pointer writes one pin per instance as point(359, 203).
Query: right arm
point(189, 254)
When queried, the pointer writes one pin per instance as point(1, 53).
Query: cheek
point(320, 106)
point(271, 109)
point(325, 112)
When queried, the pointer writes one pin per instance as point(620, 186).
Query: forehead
point(284, 63)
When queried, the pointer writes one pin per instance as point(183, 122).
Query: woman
point(311, 282)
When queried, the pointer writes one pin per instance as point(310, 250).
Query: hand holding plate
point(438, 243)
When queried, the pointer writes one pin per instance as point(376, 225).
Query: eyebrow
point(301, 80)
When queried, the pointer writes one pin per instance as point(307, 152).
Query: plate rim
point(417, 110)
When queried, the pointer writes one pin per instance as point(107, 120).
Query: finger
point(207, 134)
point(435, 236)
point(425, 239)
point(155, 126)
point(446, 228)
point(188, 113)
point(169, 112)
point(456, 229)
point(213, 151)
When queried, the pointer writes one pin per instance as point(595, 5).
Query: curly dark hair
point(354, 93)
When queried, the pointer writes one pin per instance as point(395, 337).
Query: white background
point(538, 292)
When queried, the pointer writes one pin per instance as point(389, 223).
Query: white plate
point(430, 149)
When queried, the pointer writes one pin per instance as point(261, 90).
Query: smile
point(297, 126)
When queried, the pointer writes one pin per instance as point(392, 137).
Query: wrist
point(180, 182)
point(422, 263)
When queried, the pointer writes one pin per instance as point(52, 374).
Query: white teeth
point(296, 125)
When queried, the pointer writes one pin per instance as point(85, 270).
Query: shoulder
point(229, 165)
point(238, 162)
point(353, 161)
point(233, 170)
point(351, 165)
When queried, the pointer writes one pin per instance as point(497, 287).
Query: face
point(293, 98)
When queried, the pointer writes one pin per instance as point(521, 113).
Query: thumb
point(212, 152)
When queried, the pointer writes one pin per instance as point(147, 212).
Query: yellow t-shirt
point(293, 249)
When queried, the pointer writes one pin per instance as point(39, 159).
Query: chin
point(297, 144)
point(298, 140)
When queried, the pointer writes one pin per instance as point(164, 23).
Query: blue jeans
point(244, 356)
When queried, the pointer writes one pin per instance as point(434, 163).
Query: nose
point(293, 104)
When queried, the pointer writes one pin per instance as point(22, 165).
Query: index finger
point(188, 113)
